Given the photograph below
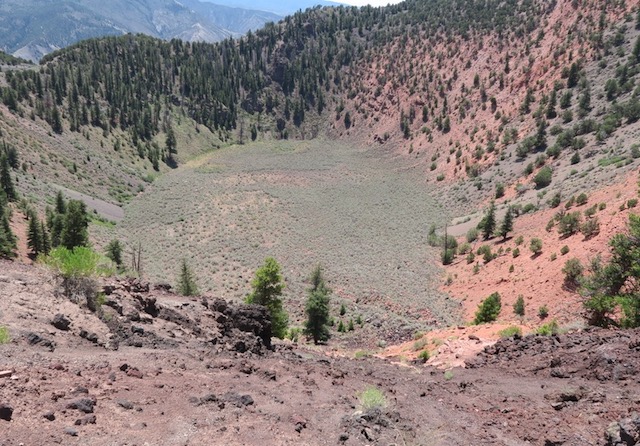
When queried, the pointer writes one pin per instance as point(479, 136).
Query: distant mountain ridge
point(32, 28)
point(282, 7)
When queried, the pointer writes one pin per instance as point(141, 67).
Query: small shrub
point(572, 270)
point(518, 306)
point(543, 177)
point(569, 224)
point(448, 375)
point(510, 332)
point(553, 256)
point(519, 240)
point(424, 355)
point(632, 203)
point(590, 228)
point(581, 199)
point(361, 354)
point(499, 190)
point(564, 250)
point(472, 235)
point(476, 268)
point(515, 253)
point(470, 258)
point(372, 398)
point(543, 312)
point(549, 329)
point(485, 251)
point(488, 310)
point(420, 344)
point(343, 310)
point(535, 246)
point(511, 268)
point(4, 335)
point(294, 334)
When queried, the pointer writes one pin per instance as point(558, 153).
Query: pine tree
point(489, 225)
point(6, 183)
point(46, 242)
point(507, 224)
point(187, 283)
point(76, 221)
point(34, 235)
point(7, 237)
point(267, 289)
point(61, 205)
point(317, 308)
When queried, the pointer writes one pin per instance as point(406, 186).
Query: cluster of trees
point(66, 225)
point(268, 285)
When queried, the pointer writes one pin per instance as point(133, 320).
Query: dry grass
point(364, 217)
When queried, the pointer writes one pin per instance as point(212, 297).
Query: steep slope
point(35, 28)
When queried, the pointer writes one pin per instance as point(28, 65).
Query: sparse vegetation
point(510, 332)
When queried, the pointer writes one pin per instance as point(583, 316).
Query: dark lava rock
point(61, 322)
point(83, 405)
point(34, 339)
point(246, 328)
point(49, 415)
point(238, 400)
point(6, 412)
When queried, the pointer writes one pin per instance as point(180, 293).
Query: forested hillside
point(472, 82)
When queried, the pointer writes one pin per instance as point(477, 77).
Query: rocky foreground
point(160, 369)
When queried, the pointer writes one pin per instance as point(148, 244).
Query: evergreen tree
point(187, 283)
point(489, 225)
point(507, 224)
point(114, 252)
point(5, 179)
point(317, 308)
point(61, 205)
point(7, 237)
point(267, 289)
point(76, 221)
point(34, 234)
point(46, 242)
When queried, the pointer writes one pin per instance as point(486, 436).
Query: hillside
point(34, 28)
point(153, 367)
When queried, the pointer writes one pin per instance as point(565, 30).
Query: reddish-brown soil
point(162, 369)
point(539, 278)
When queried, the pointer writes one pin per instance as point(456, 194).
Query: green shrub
point(564, 250)
point(572, 270)
point(510, 332)
point(590, 227)
point(518, 306)
point(535, 246)
point(632, 203)
point(519, 240)
point(581, 199)
point(424, 355)
point(78, 268)
point(515, 252)
point(548, 329)
point(4, 335)
point(543, 312)
point(448, 375)
point(472, 235)
point(569, 224)
point(488, 310)
point(543, 177)
point(372, 398)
